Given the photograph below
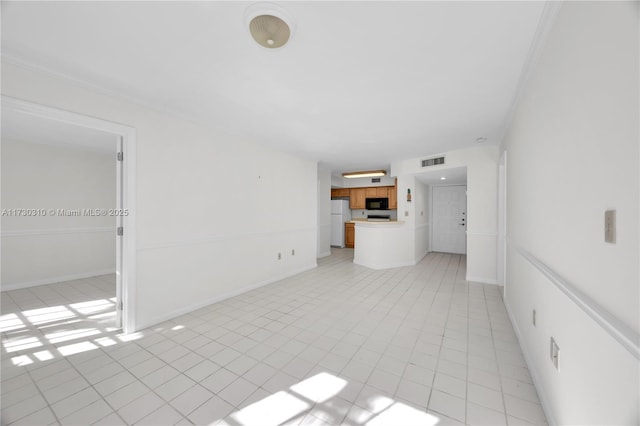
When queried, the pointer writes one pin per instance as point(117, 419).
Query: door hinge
point(120, 231)
point(120, 305)
point(121, 156)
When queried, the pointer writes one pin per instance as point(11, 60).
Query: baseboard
point(324, 254)
point(482, 280)
point(52, 280)
point(219, 298)
point(544, 399)
point(420, 257)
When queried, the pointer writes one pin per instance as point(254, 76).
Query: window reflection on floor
point(59, 320)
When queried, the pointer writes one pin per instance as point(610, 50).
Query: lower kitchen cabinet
point(350, 235)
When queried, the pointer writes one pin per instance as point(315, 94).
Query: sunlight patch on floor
point(320, 392)
point(272, 410)
point(320, 387)
point(10, 322)
point(76, 348)
point(50, 314)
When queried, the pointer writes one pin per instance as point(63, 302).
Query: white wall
point(213, 209)
point(422, 213)
point(337, 181)
point(573, 153)
point(482, 172)
point(49, 248)
point(324, 212)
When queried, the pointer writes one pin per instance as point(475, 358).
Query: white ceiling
point(28, 128)
point(359, 85)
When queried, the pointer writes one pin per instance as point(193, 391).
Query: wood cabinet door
point(357, 198)
point(339, 192)
point(382, 192)
point(393, 198)
point(371, 192)
point(349, 235)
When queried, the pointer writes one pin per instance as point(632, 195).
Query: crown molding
point(547, 19)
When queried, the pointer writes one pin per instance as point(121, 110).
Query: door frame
point(126, 194)
point(432, 210)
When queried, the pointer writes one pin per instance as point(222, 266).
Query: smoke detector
point(269, 25)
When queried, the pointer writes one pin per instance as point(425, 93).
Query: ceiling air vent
point(375, 180)
point(432, 161)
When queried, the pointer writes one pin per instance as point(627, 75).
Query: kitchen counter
point(376, 222)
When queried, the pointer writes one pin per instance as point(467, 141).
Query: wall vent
point(435, 161)
point(375, 180)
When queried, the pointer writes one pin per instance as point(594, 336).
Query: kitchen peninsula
point(382, 244)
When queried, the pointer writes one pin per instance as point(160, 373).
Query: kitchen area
point(383, 230)
point(349, 206)
point(366, 219)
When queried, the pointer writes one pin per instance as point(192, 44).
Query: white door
point(450, 219)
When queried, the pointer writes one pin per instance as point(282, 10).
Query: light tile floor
point(341, 344)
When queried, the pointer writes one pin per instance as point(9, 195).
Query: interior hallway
point(340, 344)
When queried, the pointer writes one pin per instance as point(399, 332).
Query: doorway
point(450, 219)
point(64, 220)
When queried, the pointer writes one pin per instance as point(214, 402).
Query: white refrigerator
point(340, 213)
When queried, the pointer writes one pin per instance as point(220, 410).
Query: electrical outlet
point(293, 252)
point(406, 212)
point(554, 352)
point(279, 255)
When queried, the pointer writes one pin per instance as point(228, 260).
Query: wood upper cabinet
point(357, 198)
point(393, 196)
point(350, 235)
point(378, 192)
point(382, 192)
point(339, 192)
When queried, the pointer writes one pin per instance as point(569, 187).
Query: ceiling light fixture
point(369, 173)
point(443, 178)
point(269, 26)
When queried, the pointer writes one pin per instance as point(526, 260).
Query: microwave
point(377, 204)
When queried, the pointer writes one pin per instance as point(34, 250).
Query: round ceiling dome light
point(269, 31)
point(269, 25)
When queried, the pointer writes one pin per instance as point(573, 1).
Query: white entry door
point(449, 219)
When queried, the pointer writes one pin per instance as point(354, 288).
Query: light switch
point(610, 226)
